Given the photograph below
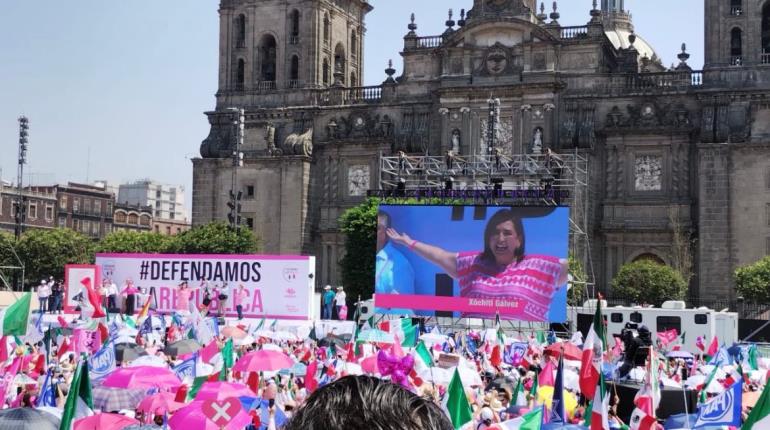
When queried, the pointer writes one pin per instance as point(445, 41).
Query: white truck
point(693, 322)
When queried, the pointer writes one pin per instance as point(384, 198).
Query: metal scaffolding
point(488, 179)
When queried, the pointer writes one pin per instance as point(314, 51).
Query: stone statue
point(299, 144)
point(537, 142)
point(270, 140)
point(456, 141)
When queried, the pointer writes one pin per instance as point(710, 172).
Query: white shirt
point(112, 289)
point(339, 298)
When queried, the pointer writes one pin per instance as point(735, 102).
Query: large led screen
point(472, 261)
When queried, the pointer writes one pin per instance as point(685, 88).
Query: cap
point(328, 287)
point(487, 414)
point(340, 287)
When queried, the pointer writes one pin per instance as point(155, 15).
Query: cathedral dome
point(619, 39)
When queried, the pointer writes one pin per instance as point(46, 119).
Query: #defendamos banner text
point(276, 286)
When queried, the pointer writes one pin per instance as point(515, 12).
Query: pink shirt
point(238, 296)
point(532, 281)
point(183, 299)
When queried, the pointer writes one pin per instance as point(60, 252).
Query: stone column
point(526, 128)
point(444, 136)
point(549, 132)
point(466, 146)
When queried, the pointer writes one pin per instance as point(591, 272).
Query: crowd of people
point(391, 373)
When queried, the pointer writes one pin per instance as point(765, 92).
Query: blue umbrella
point(558, 426)
point(679, 354)
point(250, 403)
point(680, 421)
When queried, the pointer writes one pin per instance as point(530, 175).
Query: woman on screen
point(501, 271)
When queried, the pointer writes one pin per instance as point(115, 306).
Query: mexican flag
point(15, 318)
point(456, 403)
point(79, 403)
point(402, 328)
point(423, 359)
point(600, 407)
point(593, 350)
point(759, 418)
point(531, 421)
point(641, 421)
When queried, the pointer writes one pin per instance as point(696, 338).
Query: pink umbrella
point(369, 364)
point(263, 360)
point(160, 403)
point(191, 417)
point(142, 377)
point(104, 421)
point(223, 390)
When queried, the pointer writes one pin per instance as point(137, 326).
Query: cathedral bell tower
point(737, 33)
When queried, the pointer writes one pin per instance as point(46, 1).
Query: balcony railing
point(240, 44)
point(370, 94)
point(736, 11)
point(266, 86)
point(429, 41)
point(736, 60)
point(574, 32)
point(294, 83)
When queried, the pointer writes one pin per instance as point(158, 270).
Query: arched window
point(652, 258)
point(294, 27)
point(339, 62)
point(240, 31)
point(353, 43)
point(133, 219)
point(267, 58)
point(736, 47)
point(766, 33)
point(353, 79)
point(294, 72)
point(240, 77)
point(327, 28)
point(325, 72)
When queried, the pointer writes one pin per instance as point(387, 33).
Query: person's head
point(363, 403)
point(383, 224)
point(504, 238)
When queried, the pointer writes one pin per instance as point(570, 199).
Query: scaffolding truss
point(563, 179)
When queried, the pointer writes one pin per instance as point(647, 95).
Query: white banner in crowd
point(277, 286)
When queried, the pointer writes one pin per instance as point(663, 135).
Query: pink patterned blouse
point(532, 281)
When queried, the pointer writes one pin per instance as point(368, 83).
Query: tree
point(45, 252)
point(649, 282)
point(752, 281)
point(577, 294)
point(135, 241)
point(215, 238)
point(359, 224)
point(682, 245)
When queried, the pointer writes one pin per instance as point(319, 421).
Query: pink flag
point(86, 341)
point(714, 347)
point(6, 381)
point(396, 349)
point(546, 375)
point(668, 336)
point(700, 344)
point(209, 351)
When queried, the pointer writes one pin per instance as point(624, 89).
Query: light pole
point(239, 134)
point(23, 144)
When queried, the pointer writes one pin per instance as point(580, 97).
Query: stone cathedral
point(660, 139)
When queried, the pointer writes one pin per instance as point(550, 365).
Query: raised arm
point(444, 259)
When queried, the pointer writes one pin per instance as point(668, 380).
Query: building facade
point(40, 208)
point(87, 209)
point(679, 160)
point(167, 201)
point(132, 218)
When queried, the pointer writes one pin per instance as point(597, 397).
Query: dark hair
point(366, 403)
point(498, 218)
point(381, 214)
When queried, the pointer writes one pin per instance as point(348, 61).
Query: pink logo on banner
point(86, 341)
point(221, 412)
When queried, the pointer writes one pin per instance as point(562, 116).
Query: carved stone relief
point(648, 173)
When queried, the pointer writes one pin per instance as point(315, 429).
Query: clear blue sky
point(131, 79)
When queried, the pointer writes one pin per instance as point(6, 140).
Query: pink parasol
point(160, 403)
point(191, 417)
point(263, 360)
point(571, 352)
point(233, 332)
point(142, 377)
point(223, 390)
point(104, 421)
point(369, 365)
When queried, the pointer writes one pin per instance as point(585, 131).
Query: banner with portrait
point(473, 261)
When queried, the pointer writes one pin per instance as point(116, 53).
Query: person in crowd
point(501, 270)
point(339, 302)
point(221, 294)
point(129, 292)
point(103, 292)
point(43, 292)
point(239, 294)
point(112, 294)
point(56, 297)
point(365, 402)
point(393, 272)
point(328, 303)
point(141, 297)
point(184, 292)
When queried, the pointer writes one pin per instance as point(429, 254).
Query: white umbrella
point(285, 336)
point(433, 338)
point(352, 368)
point(272, 347)
point(571, 380)
point(148, 360)
point(248, 340)
point(470, 377)
point(51, 410)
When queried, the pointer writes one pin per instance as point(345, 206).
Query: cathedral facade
point(679, 160)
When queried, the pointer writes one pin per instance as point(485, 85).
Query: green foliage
point(649, 283)
point(752, 281)
point(215, 238)
point(45, 252)
point(133, 241)
point(359, 224)
point(577, 294)
point(7, 242)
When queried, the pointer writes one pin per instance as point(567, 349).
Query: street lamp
point(239, 135)
point(23, 146)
